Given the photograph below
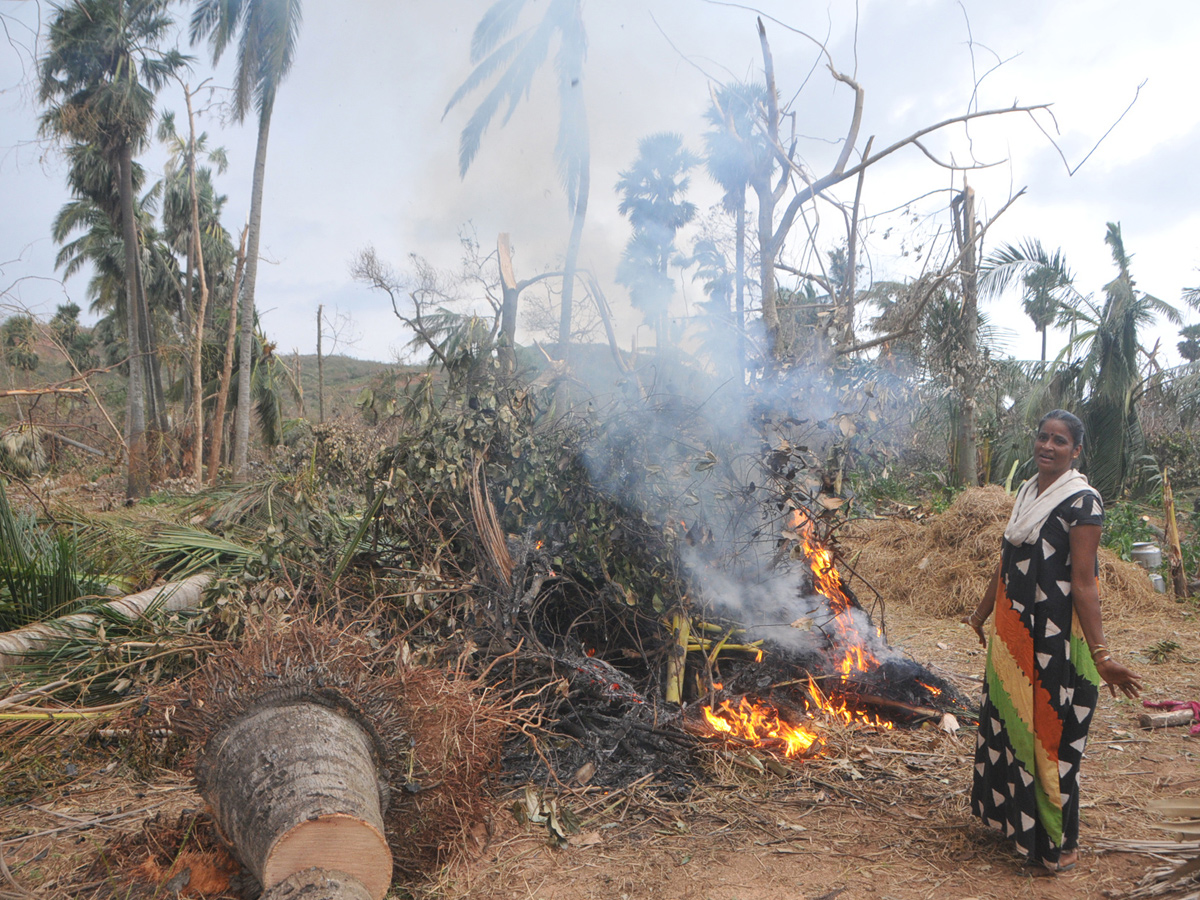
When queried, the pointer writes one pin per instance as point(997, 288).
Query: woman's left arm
point(1085, 594)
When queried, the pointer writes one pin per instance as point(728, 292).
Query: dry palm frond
point(487, 524)
point(1178, 881)
point(186, 550)
point(21, 451)
point(103, 656)
point(250, 508)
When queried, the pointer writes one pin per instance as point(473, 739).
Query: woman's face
point(1053, 448)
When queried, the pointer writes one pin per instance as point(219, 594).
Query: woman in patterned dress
point(1047, 656)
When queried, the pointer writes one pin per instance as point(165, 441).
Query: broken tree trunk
point(1174, 550)
point(168, 598)
point(294, 784)
point(318, 884)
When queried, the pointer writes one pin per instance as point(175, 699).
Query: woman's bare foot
point(1066, 861)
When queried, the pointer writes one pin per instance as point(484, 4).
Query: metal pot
point(1147, 555)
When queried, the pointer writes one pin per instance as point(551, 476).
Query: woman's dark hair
point(1070, 420)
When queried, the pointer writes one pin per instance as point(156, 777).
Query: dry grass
point(880, 814)
point(456, 732)
point(941, 565)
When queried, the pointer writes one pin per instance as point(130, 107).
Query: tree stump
point(318, 884)
point(296, 784)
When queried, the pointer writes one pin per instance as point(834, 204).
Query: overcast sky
point(360, 153)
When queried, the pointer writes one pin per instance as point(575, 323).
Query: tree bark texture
point(967, 364)
point(766, 268)
point(570, 266)
point(197, 379)
point(218, 419)
point(241, 428)
point(1174, 550)
point(168, 598)
point(137, 481)
point(295, 785)
point(1166, 719)
point(506, 351)
point(318, 884)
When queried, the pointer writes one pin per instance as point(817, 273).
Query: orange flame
point(758, 723)
point(839, 711)
point(828, 584)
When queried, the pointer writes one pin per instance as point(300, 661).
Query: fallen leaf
point(587, 839)
point(585, 773)
point(789, 826)
point(949, 724)
point(776, 767)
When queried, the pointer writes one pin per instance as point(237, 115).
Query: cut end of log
point(319, 884)
point(337, 843)
point(295, 786)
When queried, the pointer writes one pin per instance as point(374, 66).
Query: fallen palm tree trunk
point(296, 785)
point(318, 884)
point(168, 598)
point(328, 767)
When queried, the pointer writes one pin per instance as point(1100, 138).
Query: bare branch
point(37, 392)
point(369, 269)
point(823, 184)
point(912, 322)
point(952, 166)
point(1071, 171)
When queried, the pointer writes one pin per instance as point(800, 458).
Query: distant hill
point(345, 377)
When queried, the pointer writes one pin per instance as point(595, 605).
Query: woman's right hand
point(977, 627)
point(1116, 676)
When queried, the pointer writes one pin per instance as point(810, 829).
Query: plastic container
point(1147, 555)
point(1158, 583)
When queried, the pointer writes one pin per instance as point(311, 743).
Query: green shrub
point(1124, 526)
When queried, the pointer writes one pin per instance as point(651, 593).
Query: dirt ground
point(884, 815)
point(881, 815)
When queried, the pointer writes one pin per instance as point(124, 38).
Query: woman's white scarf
point(1033, 509)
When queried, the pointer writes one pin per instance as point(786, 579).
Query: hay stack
point(942, 564)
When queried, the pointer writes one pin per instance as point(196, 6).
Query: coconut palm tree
point(510, 62)
point(98, 79)
point(1113, 373)
point(269, 31)
point(653, 198)
point(1049, 293)
point(185, 186)
point(734, 149)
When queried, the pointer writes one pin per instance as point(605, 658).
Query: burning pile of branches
point(631, 634)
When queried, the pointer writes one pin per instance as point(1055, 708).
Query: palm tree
point(185, 151)
point(735, 148)
point(98, 243)
point(269, 30)
point(652, 197)
point(1049, 285)
point(98, 78)
point(1113, 374)
point(511, 61)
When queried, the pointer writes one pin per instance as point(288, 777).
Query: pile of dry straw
point(941, 564)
